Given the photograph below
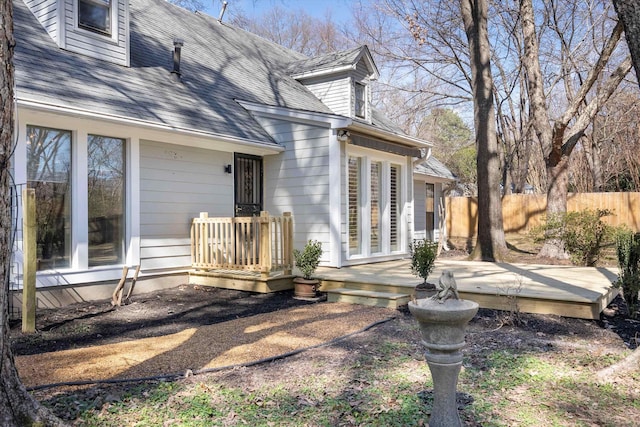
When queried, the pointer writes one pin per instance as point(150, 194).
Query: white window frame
point(367, 157)
point(111, 34)
point(79, 270)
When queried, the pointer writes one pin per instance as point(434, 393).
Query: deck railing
point(263, 243)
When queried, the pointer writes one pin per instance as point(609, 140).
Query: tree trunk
point(562, 139)
point(629, 13)
point(17, 406)
point(491, 245)
point(557, 189)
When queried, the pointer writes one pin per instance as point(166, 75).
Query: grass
point(379, 380)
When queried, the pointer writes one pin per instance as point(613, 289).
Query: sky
point(253, 8)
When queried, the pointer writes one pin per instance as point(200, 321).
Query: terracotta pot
point(305, 288)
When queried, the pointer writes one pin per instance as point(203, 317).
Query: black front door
point(248, 185)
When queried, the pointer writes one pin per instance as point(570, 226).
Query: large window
point(49, 173)
point(106, 199)
point(95, 15)
point(101, 239)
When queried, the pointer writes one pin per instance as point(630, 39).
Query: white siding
point(297, 180)
point(113, 49)
point(334, 92)
point(47, 13)
point(176, 184)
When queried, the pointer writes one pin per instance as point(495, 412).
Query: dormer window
point(95, 15)
point(360, 100)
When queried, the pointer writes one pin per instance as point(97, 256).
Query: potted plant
point(423, 257)
point(307, 261)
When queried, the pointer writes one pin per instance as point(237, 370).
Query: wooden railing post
point(29, 251)
point(265, 244)
point(204, 239)
point(287, 246)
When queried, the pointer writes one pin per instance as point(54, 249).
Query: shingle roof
point(220, 64)
point(326, 62)
point(433, 167)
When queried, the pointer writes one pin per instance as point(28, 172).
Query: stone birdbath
point(443, 319)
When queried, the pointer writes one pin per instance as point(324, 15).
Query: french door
point(374, 206)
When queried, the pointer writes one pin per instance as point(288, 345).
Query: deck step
point(365, 297)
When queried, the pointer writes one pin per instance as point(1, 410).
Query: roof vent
point(177, 48)
point(224, 8)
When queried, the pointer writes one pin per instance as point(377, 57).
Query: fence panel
point(522, 212)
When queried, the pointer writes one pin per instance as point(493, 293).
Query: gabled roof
point(333, 63)
point(220, 66)
point(434, 168)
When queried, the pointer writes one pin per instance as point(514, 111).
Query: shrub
point(308, 259)
point(423, 256)
point(628, 251)
point(583, 234)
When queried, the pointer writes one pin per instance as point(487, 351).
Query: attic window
point(95, 15)
point(361, 99)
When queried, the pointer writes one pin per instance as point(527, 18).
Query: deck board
point(570, 291)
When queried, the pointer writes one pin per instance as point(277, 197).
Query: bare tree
point(17, 406)
point(563, 134)
point(629, 13)
point(295, 29)
point(607, 157)
point(491, 241)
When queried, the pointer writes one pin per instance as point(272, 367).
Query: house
point(430, 181)
point(133, 116)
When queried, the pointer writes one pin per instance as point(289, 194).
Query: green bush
point(583, 234)
point(628, 251)
point(423, 257)
point(308, 259)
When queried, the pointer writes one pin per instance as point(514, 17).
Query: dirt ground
point(193, 320)
point(195, 327)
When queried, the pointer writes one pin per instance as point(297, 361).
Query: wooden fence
point(263, 243)
point(522, 212)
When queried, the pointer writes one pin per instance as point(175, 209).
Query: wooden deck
point(242, 280)
point(581, 292)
